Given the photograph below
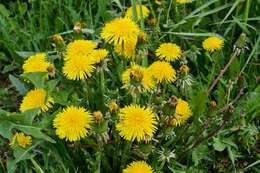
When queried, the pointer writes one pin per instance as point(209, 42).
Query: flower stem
point(102, 89)
point(134, 9)
point(248, 5)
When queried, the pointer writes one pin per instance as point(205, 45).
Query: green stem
point(134, 9)
point(151, 7)
point(162, 165)
point(102, 89)
point(168, 13)
point(144, 58)
point(141, 15)
point(248, 5)
point(135, 98)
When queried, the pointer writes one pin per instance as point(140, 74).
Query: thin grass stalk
point(168, 13)
point(102, 89)
point(134, 9)
point(246, 13)
point(141, 15)
point(144, 58)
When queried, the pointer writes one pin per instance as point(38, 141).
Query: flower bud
point(98, 116)
point(184, 69)
point(113, 107)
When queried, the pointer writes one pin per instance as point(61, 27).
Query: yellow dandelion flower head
point(79, 68)
point(182, 113)
point(136, 122)
point(36, 99)
point(212, 44)
point(140, 75)
point(36, 63)
point(99, 55)
point(22, 140)
point(138, 167)
point(183, 1)
point(145, 12)
point(162, 72)
point(73, 123)
point(169, 52)
point(121, 31)
point(79, 48)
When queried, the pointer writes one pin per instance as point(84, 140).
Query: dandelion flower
point(182, 113)
point(22, 140)
point(73, 123)
point(99, 55)
point(212, 44)
point(162, 72)
point(183, 1)
point(136, 123)
point(36, 99)
point(36, 63)
point(145, 12)
point(78, 68)
point(138, 167)
point(139, 75)
point(123, 33)
point(169, 52)
point(79, 48)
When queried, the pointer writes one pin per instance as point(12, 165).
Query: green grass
point(212, 141)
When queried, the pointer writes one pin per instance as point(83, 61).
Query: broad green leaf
point(5, 129)
point(100, 127)
point(231, 155)
point(20, 87)
point(30, 115)
point(8, 68)
point(52, 84)
point(23, 153)
point(199, 102)
point(34, 131)
point(61, 97)
point(11, 166)
point(218, 144)
point(199, 153)
point(37, 78)
point(4, 11)
point(25, 54)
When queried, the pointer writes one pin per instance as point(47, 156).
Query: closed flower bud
point(51, 70)
point(213, 104)
point(98, 116)
point(77, 27)
point(173, 101)
point(151, 21)
point(113, 107)
point(58, 40)
point(184, 69)
point(142, 37)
